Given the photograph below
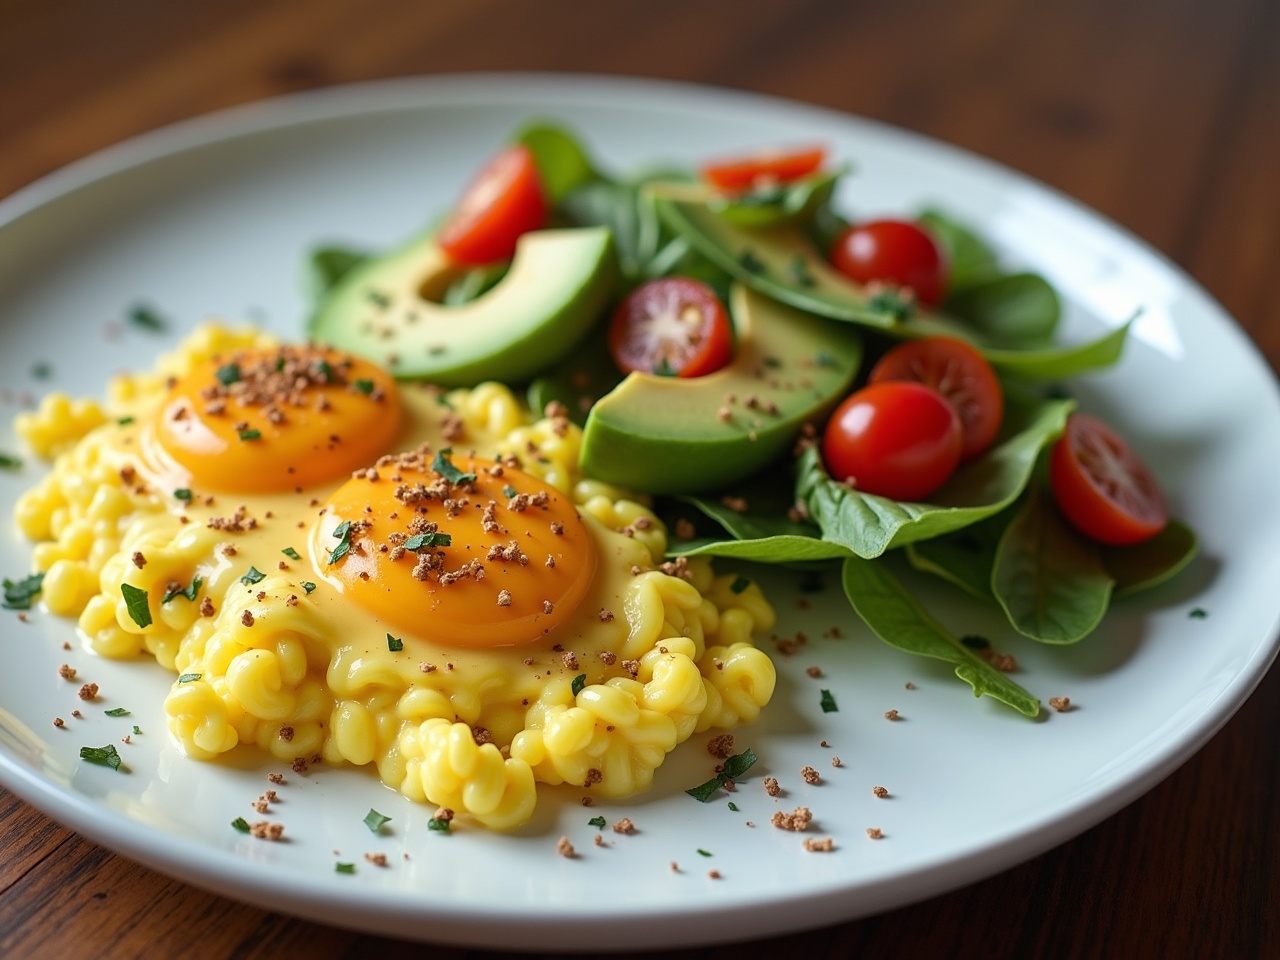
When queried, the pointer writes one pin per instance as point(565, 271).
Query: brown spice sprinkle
point(88, 691)
point(206, 607)
point(246, 618)
point(565, 848)
point(892, 715)
point(875, 833)
point(624, 826)
point(1060, 704)
point(569, 660)
point(810, 775)
point(835, 762)
point(139, 560)
point(797, 820)
point(67, 672)
point(721, 746)
point(713, 874)
point(605, 615)
point(909, 685)
point(594, 776)
point(880, 792)
point(265, 830)
point(59, 722)
point(276, 778)
point(736, 504)
point(504, 598)
point(286, 733)
point(819, 844)
point(814, 672)
point(771, 787)
point(377, 859)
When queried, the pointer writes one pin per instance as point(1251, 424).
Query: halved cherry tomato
point(672, 326)
point(1102, 487)
point(765, 168)
point(504, 201)
point(896, 252)
point(898, 439)
point(958, 372)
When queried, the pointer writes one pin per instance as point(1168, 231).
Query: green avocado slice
point(668, 434)
point(387, 309)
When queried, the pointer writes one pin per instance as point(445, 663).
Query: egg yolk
point(461, 551)
point(259, 421)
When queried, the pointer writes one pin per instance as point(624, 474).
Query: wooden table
point(1162, 114)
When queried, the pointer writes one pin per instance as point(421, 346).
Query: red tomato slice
point(958, 372)
point(765, 168)
point(1102, 487)
point(504, 201)
point(898, 439)
point(897, 252)
point(673, 326)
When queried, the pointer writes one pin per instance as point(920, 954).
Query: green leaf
point(789, 201)
point(563, 163)
point(291, 553)
point(136, 602)
point(828, 702)
point(117, 712)
point(253, 576)
point(9, 462)
point(248, 435)
point(442, 465)
point(1152, 562)
point(1049, 579)
point(341, 533)
point(1018, 311)
point(18, 594)
point(971, 259)
point(598, 822)
point(965, 557)
point(732, 769)
point(241, 824)
point(189, 677)
point(740, 583)
point(308, 586)
point(394, 644)
point(183, 494)
point(868, 525)
point(340, 867)
point(107, 756)
point(897, 618)
point(374, 820)
point(439, 825)
point(420, 541)
point(228, 373)
point(147, 318)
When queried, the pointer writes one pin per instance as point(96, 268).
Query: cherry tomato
point(1102, 487)
point(896, 252)
point(673, 326)
point(898, 439)
point(958, 372)
point(765, 168)
point(504, 201)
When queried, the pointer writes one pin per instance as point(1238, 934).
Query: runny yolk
point(259, 421)
point(462, 552)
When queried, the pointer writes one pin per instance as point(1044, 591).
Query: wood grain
point(1162, 114)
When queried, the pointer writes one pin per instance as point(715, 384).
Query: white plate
point(213, 217)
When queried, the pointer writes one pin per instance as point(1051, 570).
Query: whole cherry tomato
point(504, 201)
point(1102, 487)
point(898, 439)
point(958, 372)
point(672, 326)
point(895, 252)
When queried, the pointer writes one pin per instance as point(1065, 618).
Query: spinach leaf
point(1018, 311)
point(562, 161)
point(1152, 562)
point(798, 199)
point(897, 618)
point(869, 525)
point(963, 558)
point(972, 260)
point(1050, 581)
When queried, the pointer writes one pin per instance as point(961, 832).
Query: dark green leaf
point(117, 712)
point(341, 533)
point(828, 702)
point(969, 256)
point(563, 163)
point(438, 825)
point(364, 386)
point(740, 583)
point(146, 318)
point(9, 462)
point(1198, 613)
point(183, 494)
point(253, 576)
point(598, 822)
point(107, 756)
point(291, 553)
point(738, 764)
point(1152, 562)
point(1019, 311)
point(344, 867)
point(190, 592)
point(136, 602)
point(442, 465)
point(578, 683)
point(374, 820)
point(241, 824)
point(733, 806)
point(308, 586)
point(703, 853)
point(228, 374)
point(394, 644)
point(18, 594)
point(420, 541)
point(250, 435)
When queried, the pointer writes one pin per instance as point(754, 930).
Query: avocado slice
point(389, 308)
point(667, 434)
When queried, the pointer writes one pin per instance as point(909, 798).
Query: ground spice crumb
point(1061, 704)
point(891, 715)
point(675, 867)
point(721, 746)
point(67, 672)
point(814, 672)
point(909, 685)
point(607, 657)
point(599, 840)
point(299, 765)
point(631, 666)
point(265, 830)
point(504, 598)
point(624, 826)
point(246, 618)
point(819, 845)
point(811, 776)
point(587, 801)
point(713, 874)
point(685, 530)
point(771, 786)
point(835, 762)
point(565, 848)
point(276, 778)
point(206, 607)
point(88, 691)
point(59, 722)
point(605, 615)
point(593, 776)
point(286, 733)
point(880, 792)
point(823, 743)
point(77, 714)
point(139, 560)
point(377, 859)
point(444, 813)
point(569, 660)
point(875, 833)
point(797, 820)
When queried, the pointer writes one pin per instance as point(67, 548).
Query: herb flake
point(18, 594)
point(438, 824)
point(732, 769)
point(442, 465)
point(364, 386)
point(374, 820)
point(146, 318)
point(308, 586)
point(253, 576)
point(9, 462)
point(291, 553)
point(107, 756)
point(739, 584)
point(598, 822)
point(828, 703)
point(117, 712)
point(394, 644)
point(578, 683)
point(241, 824)
point(342, 533)
point(250, 435)
point(136, 602)
point(420, 541)
point(188, 677)
point(344, 868)
point(228, 374)
point(183, 494)
point(189, 592)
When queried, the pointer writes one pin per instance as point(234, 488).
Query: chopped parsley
point(732, 769)
point(148, 319)
point(228, 374)
point(117, 712)
point(135, 601)
point(598, 822)
point(665, 369)
point(799, 271)
point(733, 806)
point(107, 756)
point(739, 584)
point(344, 868)
point(438, 824)
point(828, 702)
point(323, 369)
point(1198, 613)
point(975, 642)
point(241, 824)
point(703, 853)
point(750, 262)
point(892, 303)
point(291, 553)
point(394, 644)
point(188, 677)
point(308, 586)
point(442, 465)
point(124, 421)
point(190, 592)
point(9, 462)
point(18, 594)
point(420, 541)
point(374, 820)
point(342, 533)
point(509, 491)
point(364, 386)
point(42, 370)
point(578, 683)
point(137, 730)
point(250, 434)
point(253, 576)
point(183, 494)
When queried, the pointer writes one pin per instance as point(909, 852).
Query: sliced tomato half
point(504, 201)
point(958, 372)
point(1102, 487)
point(765, 168)
point(672, 326)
